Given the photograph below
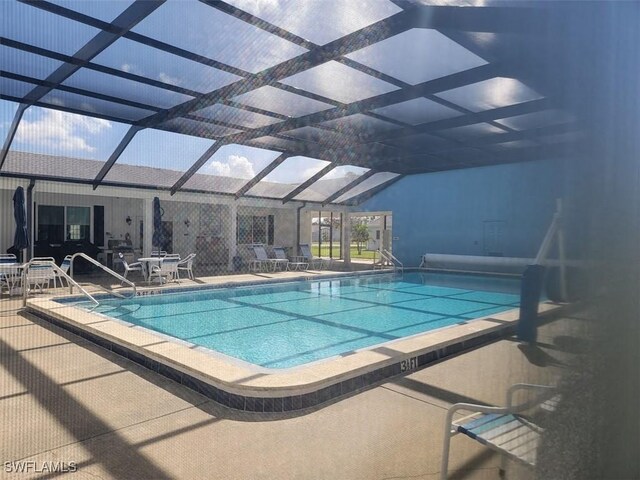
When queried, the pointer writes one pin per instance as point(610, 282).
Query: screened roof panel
point(230, 168)
point(360, 124)
point(27, 64)
point(209, 32)
point(339, 82)
point(34, 26)
point(126, 89)
point(280, 101)
point(316, 135)
point(469, 132)
point(510, 145)
point(489, 94)
point(7, 111)
point(93, 105)
point(105, 11)
point(319, 21)
point(560, 138)
point(161, 150)
point(417, 55)
point(417, 111)
point(236, 116)
point(155, 64)
point(536, 119)
point(54, 132)
point(333, 181)
point(15, 88)
point(282, 144)
point(187, 126)
point(371, 182)
point(287, 176)
point(423, 143)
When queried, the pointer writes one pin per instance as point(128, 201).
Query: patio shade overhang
point(401, 88)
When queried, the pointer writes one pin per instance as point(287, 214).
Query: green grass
point(324, 251)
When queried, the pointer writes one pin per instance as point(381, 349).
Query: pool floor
point(286, 325)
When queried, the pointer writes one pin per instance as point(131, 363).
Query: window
point(58, 224)
point(78, 223)
point(255, 229)
point(50, 224)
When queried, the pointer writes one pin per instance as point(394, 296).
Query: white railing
point(387, 259)
point(57, 271)
point(108, 270)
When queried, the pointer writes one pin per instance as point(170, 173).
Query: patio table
point(148, 263)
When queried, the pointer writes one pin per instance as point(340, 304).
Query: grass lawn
point(324, 252)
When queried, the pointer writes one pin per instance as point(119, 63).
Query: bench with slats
point(502, 429)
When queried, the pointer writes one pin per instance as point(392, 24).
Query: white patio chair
point(187, 265)
point(40, 274)
point(167, 270)
point(8, 258)
point(130, 267)
point(503, 429)
point(291, 264)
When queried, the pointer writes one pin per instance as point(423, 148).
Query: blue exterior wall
point(445, 212)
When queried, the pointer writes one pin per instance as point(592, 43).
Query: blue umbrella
point(21, 238)
point(158, 239)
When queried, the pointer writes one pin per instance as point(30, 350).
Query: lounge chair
point(262, 262)
point(281, 261)
point(315, 263)
point(187, 265)
point(290, 265)
point(503, 429)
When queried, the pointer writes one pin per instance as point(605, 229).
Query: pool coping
point(243, 388)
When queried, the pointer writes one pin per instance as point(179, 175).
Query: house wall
point(454, 212)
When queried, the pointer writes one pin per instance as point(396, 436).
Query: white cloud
point(61, 130)
point(163, 77)
point(235, 166)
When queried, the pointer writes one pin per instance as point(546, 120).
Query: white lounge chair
point(290, 265)
point(130, 267)
point(315, 263)
point(187, 265)
point(503, 429)
point(262, 262)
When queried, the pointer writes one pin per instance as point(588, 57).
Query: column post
point(147, 244)
point(233, 228)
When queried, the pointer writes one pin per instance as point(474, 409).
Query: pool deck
point(66, 399)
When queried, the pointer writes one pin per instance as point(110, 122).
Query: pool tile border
point(293, 390)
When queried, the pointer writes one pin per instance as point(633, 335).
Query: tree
point(360, 235)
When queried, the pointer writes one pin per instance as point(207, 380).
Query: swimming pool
point(291, 324)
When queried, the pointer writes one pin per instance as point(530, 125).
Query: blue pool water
point(284, 325)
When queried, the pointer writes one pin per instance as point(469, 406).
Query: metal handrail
point(108, 270)
point(389, 257)
point(59, 272)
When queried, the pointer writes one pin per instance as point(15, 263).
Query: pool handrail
point(106, 269)
point(58, 271)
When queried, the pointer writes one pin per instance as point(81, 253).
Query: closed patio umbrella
point(158, 239)
point(21, 238)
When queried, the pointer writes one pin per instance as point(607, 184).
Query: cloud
point(235, 166)
point(61, 130)
point(163, 77)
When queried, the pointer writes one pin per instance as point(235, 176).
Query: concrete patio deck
point(63, 399)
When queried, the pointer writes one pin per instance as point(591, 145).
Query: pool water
point(285, 325)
